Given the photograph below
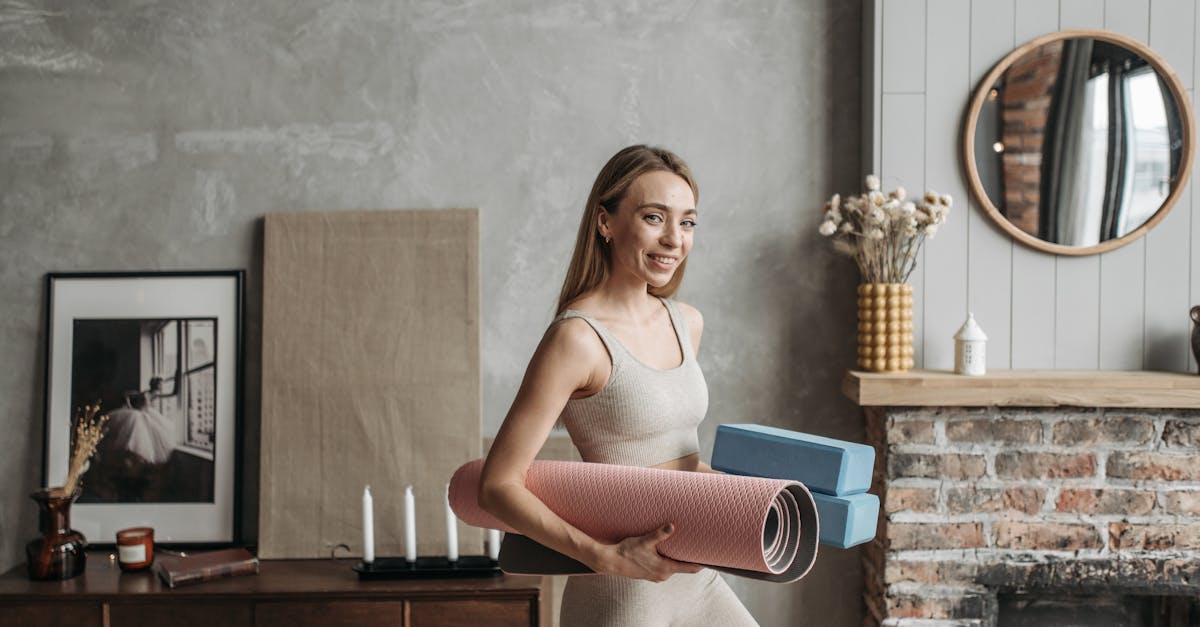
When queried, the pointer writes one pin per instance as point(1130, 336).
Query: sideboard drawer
point(51, 615)
point(181, 614)
point(331, 613)
point(492, 612)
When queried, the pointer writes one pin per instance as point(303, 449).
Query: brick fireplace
point(1002, 492)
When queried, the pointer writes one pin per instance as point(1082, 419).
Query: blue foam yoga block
point(826, 465)
point(847, 520)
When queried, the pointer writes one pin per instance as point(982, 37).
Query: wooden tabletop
point(1025, 388)
point(276, 579)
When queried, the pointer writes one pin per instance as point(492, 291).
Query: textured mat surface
point(760, 528)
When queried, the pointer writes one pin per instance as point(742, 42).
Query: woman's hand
point(637, 557)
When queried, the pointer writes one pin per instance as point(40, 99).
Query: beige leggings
point(702, 598)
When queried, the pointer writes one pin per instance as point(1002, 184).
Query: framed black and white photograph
point(162, 354)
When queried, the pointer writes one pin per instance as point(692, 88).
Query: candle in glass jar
point(135, 548)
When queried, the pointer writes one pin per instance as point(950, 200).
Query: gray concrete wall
point(151, 136)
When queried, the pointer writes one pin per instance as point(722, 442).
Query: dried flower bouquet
point(883, 232)
point(87, 429)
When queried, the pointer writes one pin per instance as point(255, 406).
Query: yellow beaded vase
point(885, 337)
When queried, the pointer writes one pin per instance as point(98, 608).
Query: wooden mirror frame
point(1185, 163)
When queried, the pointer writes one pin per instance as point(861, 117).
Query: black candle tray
point(466, 566)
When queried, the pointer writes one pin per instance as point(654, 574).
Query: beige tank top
point(643, 416)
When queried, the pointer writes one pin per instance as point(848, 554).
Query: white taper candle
point(451, 529)
point(410, 525)
point(368, 514)
point(493, 542)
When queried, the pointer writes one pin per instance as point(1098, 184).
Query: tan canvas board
point(370, 375)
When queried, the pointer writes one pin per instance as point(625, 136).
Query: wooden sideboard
point(285, 592)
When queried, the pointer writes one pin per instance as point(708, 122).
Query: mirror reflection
point(1079, 141)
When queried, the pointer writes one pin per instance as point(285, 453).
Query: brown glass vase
point(58, 553)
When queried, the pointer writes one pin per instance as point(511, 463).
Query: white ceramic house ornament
point(970, 348)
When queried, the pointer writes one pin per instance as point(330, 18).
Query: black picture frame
point(164, 352)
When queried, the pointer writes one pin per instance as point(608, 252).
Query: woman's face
point(652, 229)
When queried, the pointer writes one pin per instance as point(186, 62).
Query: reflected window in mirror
point(1077, 141)
point(1154, 145)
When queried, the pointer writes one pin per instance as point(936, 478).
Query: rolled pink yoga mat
point(749, 526)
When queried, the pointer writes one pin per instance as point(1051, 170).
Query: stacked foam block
point(838, 474)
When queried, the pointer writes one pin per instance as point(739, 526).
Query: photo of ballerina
point(156, 378)
point(161, 353)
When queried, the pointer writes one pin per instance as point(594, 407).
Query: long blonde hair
point(591, 259)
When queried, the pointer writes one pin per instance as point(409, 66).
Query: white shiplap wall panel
point(903, 164)
point(1119, 310)
point(1077, 313)
point(1122, 302)
point(1172, 26)
point(989, 268)
point(1077, 279)
point(1194, 253)
point(903, 46)
point(991, 36)
point(1032, 18)
point(1080, 14)
point(873, 10)
point(1168, 246)
point(1034, 290)
point(1033, 271)
point(1123, 271)
point(1128, 17)
point(945, 295)
point(1167, 259)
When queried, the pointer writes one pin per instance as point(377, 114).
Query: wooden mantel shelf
point(1025, 388)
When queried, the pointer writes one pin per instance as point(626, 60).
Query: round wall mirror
point(1079, 141)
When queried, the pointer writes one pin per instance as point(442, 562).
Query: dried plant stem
point(87, 430)
point(888, 260)
point(910, 256)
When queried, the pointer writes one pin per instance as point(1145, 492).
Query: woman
point(618, 365)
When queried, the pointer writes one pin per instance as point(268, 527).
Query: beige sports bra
point(643, 416)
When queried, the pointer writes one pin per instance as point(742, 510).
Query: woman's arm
point(568, 359)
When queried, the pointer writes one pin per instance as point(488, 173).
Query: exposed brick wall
point(977, 502)
point(1025, 107)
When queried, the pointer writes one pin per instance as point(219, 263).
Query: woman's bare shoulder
point(572, 337)
point(695, 320)
point(572, 349)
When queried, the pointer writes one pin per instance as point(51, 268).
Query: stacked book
point(837, 473)
point(189, 568)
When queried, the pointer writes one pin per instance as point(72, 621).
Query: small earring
point(607, 240)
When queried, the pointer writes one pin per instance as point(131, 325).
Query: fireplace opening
point(1106, 610)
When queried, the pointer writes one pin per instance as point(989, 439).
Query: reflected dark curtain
point(1064, 135)
point(1118, 144)
point(1174, 128)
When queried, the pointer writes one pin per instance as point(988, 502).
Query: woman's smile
point(667, 263)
